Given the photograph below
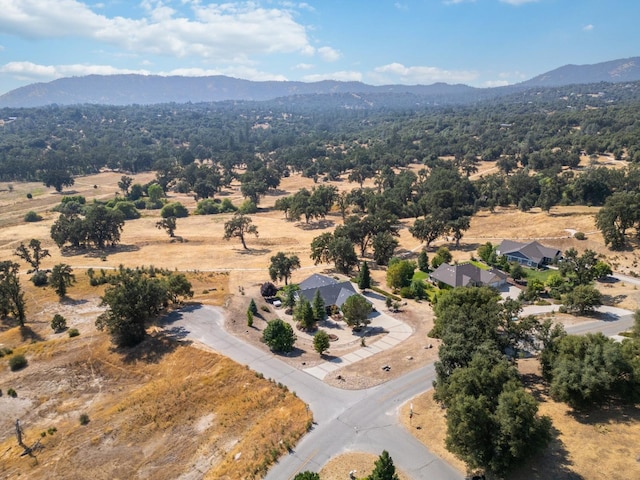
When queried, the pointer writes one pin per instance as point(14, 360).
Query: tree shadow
point(613, 300)
point(319, 225)
point(155, 346)
point(28, 334)
point(89, 252)
point(552, 462)
point(254, 251)
point(611, 413)
point(294, 353)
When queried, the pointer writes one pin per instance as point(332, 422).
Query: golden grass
point(161, 410)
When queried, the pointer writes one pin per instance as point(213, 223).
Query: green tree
point(443, 255)
point(239, 226)
point(487, 252)
point(169, 225)
point(428, 229)
point(279, 336)
point(33, 254)
point(384, 245)
point(282, 266)
point(134, 297)
point(253, 308)
point(423, 261)
point(384, 468)
point(580, 269)
point(249, 318)
point(582, 299)
point(124, 184)
point(400, 273)
point(303, 313)
point(61, 278)
point(364, 279)
point(356, 310)
point(516, 271)
point(156, 193)
point(339, 250)
point(588, 370)
point(58, 323)
point(321, 342)
point(11, 293)
point(57, 178)
point(619, 213)
point(318, 306)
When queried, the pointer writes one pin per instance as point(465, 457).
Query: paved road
point(346, 420)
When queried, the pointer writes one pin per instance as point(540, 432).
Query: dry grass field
point(163, 413)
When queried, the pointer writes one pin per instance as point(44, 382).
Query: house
point(331, 291)
point(532, 254)
point(468, 275)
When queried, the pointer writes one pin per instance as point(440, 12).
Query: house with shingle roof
point(532, 254)
point(467, 275)
point(331, 291)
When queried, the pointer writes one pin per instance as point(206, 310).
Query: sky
point(482, 43)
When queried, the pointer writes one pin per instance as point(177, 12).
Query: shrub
point(5, 351)
point(12, 393)
point(208, 206)
point(406, 292)
point(29, 196)
point(128, 209)
point(248, 207)
point(39, 278)
point(17, 362)
point(264, 308)
point(73, 332)
point(174, 209)
point(227, 207)
point(58, 323)
point(140, 204)
point(32, 216)
point(84, 419)
point(579, 236)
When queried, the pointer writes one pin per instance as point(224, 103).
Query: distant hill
point(615, 71)
point(152, 89)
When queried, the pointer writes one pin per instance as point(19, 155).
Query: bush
point(39, 278)
point(73, 332)
point(248, 207)
point(5, 351)
point(579, 236)
point(84, 419)
point(17, 362)
point(406, 292)
point(227, 206)
point(140, 204)
point(264, 308)
point(58, 323)
point(12, 393)
point(174, 209)
point(32, 216)
point(208, 206)
point(29, 196)
point(128, 209)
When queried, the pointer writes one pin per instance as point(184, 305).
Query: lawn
point(541, 275)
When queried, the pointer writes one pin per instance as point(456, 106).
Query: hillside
point(153, 89)
point(614, 71)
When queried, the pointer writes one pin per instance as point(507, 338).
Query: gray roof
point(466, 274)
point(331, 291)
point(533, 250)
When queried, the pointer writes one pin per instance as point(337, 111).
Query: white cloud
point(34, 72)
point(224, 32)
point(455, 2)
point(303, 66)
point(588, 28)
point(328, 54)
point(495, 83)
point(398, 73)
point(401, 6)
point(246, 73)
point(343, 76)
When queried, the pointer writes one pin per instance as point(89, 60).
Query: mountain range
point(152, 89)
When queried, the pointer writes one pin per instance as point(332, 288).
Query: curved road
point(345, 420)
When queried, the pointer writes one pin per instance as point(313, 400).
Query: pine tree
point(253, 308)
point(384, 468)
point(364, 280)
point(319, 312)
point(423, 261)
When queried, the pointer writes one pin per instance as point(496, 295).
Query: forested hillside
point(535, 137)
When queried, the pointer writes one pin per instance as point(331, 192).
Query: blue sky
point(476, 42)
